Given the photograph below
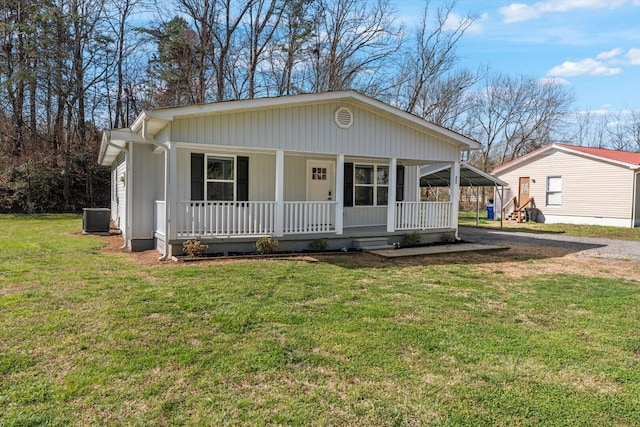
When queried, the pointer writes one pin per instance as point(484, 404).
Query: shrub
point(195, 247)
point(266, 245)
point(411, 239)
point(319, 245)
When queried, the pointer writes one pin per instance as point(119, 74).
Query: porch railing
point(201, 219)
point(207, 219)
point(160, 218)
point(309, 217)
point(422, 215)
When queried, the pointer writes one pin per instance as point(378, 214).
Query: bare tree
point(353, 40)
point(290, 47)
point(513, 116)
point(633, 129)
point(264, 20)
point(425, 86)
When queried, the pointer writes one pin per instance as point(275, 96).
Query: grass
point(633, 234)
point(93, 338)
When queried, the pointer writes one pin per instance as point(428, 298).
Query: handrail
point(525, 204)
point(513, 200)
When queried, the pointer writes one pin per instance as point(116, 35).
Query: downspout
point(165, 250)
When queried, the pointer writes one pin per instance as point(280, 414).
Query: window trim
point(549, 192)
point(373, 185)
point(232, 181)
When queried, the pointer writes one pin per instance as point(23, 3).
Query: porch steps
point(372, 243)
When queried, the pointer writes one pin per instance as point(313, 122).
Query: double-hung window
point(371, 185)
point(220, 178)
point(554, 191)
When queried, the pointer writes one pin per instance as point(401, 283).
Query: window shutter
point(197, 176)
point(242, 179)
point(348, 185)
point(399, 183)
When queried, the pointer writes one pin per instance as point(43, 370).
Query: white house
point(338, 166)
point(574, 185)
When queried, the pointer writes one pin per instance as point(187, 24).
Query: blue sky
point(591, 45)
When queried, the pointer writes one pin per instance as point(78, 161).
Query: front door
point(320, 177)
point(523, 190)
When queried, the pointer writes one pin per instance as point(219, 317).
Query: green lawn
point(94, 339)
point(469, 219)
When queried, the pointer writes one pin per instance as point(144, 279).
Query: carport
point(439, 175)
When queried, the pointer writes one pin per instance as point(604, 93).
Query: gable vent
point(344, 117)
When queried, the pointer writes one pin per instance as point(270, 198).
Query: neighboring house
point(574, 185)
point(338, 166)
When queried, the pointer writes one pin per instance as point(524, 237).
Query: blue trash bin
point(490, 214)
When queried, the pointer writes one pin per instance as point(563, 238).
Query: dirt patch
point(516, 262)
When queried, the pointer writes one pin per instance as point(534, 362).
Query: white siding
point(147, 170)
point(637, 218)
point(365, 215)
point(411, 183)
point(312, 129)
point(121, 193)
point(590, 188)
point(295, 172)
point(114, 192)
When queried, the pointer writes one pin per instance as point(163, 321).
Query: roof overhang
point(439, 175)
point(114, 142)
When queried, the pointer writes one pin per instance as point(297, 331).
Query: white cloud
point(519, 12)
point(609, 54)
point(454, 21)
point(634, 56)
point(584, 67)
point(554, 81)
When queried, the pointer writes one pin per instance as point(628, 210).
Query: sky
point(593, 46)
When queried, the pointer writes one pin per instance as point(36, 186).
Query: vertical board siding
point(295, 183)
point(411, 183)
point(146, 168)
point(121, 193)
point(311, 128)
point(365, 215)
point(114, 191)
point(637, 218)
point(590, 188)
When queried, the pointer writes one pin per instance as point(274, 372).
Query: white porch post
point(339, 221)
point(171, 195)
point(454, 191)
point(279, 193)
point(391, 198)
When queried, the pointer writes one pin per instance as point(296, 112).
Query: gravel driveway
point(583, 246)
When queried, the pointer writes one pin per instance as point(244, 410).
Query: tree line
point(69, 68)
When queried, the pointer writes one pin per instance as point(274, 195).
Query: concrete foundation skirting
point(298, 243)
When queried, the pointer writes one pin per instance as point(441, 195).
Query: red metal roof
point(619, 156)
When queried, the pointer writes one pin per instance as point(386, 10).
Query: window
point(319, 174)
point(371, 185)
point(220, 178)
point(554, 190)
